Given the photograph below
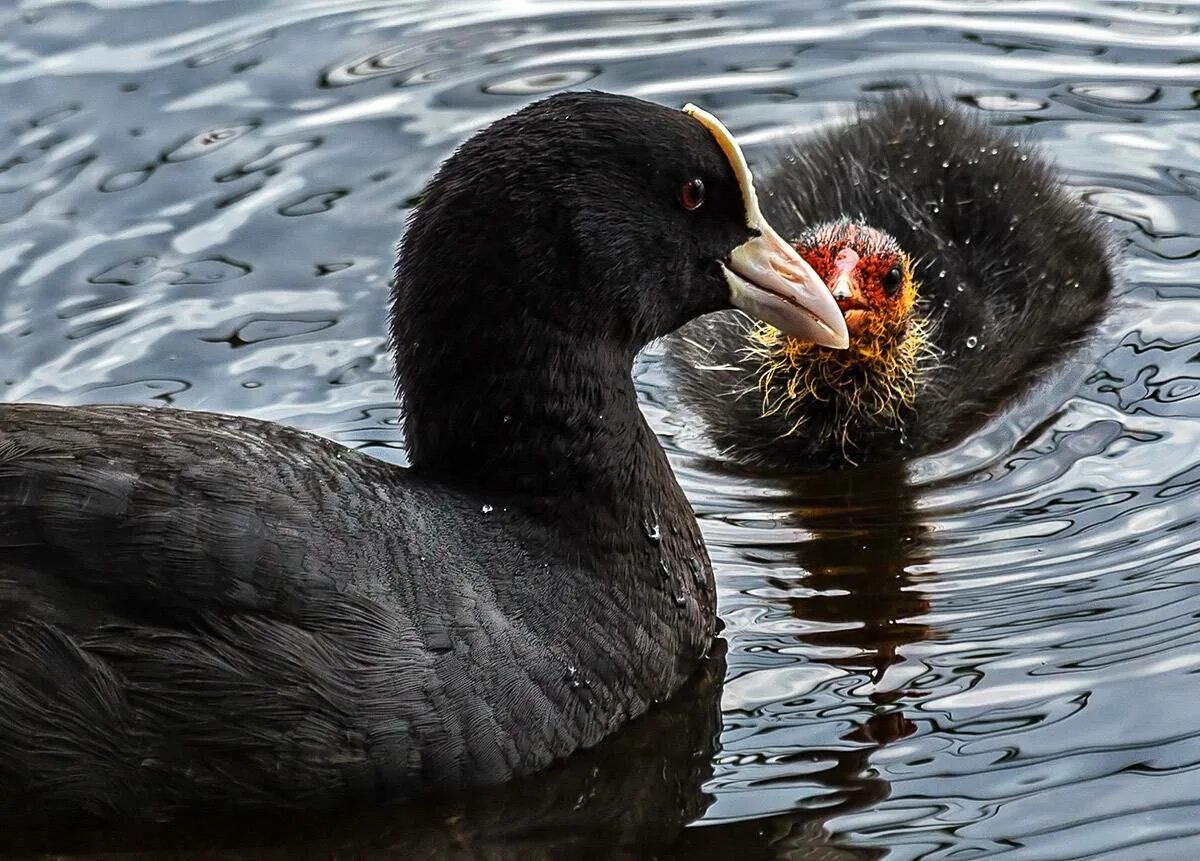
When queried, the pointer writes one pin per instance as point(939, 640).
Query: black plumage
point(1011, 268)
point(204, 612)
point(631, 795)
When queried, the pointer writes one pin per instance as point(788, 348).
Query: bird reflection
point(865, 535)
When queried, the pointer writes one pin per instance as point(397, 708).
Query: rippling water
point(988, 653)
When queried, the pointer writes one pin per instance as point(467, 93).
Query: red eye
point(691, 194)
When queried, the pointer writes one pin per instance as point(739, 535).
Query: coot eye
point(892, 280)
point(691, 194)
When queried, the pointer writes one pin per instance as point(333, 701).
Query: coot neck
point(536, 416)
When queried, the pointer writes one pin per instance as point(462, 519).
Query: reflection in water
point(857, 607)
point(865, 535)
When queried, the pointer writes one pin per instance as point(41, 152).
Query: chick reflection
point(630, 796)
point(865, 532)
point(865, 536)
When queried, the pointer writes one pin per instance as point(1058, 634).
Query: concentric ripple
point(991, 652)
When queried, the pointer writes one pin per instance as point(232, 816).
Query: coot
point(961, 262)
point(204, 612)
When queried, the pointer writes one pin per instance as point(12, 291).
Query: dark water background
point(990, 653)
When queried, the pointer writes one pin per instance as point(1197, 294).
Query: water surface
point(992, 652)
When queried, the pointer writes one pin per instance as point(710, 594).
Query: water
point(992, 652)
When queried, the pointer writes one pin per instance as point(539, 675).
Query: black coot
point(962, 266)
point(199, 611)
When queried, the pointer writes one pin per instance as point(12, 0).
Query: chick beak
point(846, 291)
point(845, 287)
point(767, 277)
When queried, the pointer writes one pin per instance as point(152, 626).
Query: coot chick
point(205, 612)
point(963, 267)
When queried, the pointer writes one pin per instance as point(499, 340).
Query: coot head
point(564, 238)
point(605, 216)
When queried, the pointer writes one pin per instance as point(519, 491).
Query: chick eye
point(892, 280)
point(691, 194)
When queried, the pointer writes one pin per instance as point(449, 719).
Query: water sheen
point(992, 652)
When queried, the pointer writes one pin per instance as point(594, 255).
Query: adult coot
point(962, 266)
point(200, 611)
